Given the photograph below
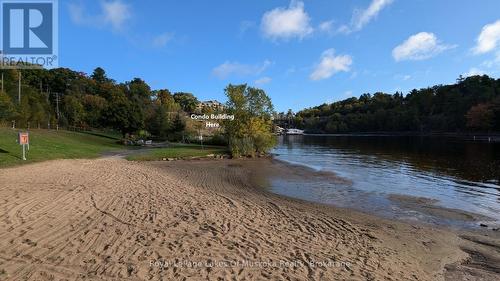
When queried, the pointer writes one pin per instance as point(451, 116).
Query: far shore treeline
point(74, 100)
point(470, 105)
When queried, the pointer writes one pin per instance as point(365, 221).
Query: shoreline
point(108, 218)
point(480, 137)
point(480, 245)
point(442, 216)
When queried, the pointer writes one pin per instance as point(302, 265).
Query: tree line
point(66, 98)
point(40, 98)
point(470, 105)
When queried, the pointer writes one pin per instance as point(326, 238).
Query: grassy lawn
point(47, 145)
point(178, 151)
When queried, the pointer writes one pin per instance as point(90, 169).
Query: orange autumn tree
point(480, 117)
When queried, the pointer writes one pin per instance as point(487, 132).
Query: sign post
point(24, 139)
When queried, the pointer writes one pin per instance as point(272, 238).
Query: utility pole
point(19, 95)
point(48, 102)
point(201, 140)
point(57, 111)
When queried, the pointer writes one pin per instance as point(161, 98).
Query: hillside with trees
point(62, 98)
point(470, 105)
point(69, 99)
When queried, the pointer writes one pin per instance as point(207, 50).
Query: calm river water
point(456, 174)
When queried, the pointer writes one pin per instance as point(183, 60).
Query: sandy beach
point(109, 219)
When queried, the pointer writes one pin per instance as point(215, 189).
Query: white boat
point(294, 132)
point(279, 131)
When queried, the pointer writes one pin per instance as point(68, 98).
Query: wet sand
point(109, 219)
point(428, 206)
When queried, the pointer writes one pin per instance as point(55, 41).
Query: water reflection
point(461, 175)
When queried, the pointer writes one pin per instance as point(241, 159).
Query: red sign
point(24, 138)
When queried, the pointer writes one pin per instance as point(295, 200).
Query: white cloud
point(162, 40)
point(331, 64)
point(404, 77)
point(344, 29)
point(489, 38)
point(290, 70)
point(488, 67)
point(474, 71)
point(263, 81)
point(348, 94)
point(116, 13)
point(326, 26)
point(494, 62)
point(420, 46)
point(113, 13)
point(362, 17)
point(76, 13)
point(286, 23)
point(228, 69)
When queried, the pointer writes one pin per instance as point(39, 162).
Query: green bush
point(242, 147)
point(217, 139)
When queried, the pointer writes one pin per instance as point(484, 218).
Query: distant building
point(211, 105)
point(279, 130)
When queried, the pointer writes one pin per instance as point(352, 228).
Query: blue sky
point(302, 53)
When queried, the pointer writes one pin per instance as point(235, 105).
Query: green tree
point(74, 110)
point(123, 115)
point(187, 101)
point(161, 125)
point(94, 107)
point(99, 75)
point(7, 109)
